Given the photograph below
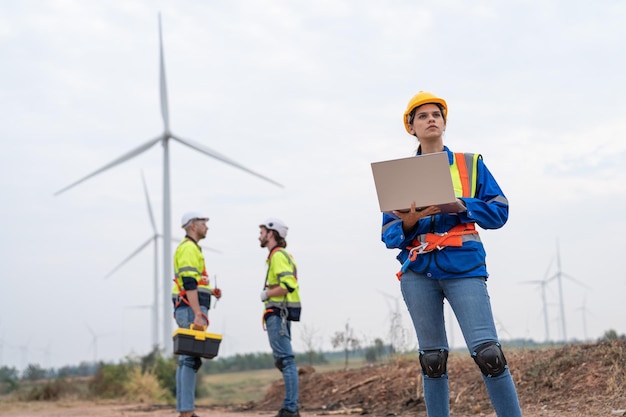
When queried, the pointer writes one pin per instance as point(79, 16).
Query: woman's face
point(428, 122)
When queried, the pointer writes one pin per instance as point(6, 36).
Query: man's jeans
point(469, 300)
point(279, 334)
point(187, 365)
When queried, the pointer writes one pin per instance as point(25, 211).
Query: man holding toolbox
point(192, 297)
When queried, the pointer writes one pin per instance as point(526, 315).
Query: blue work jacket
point(488, 208)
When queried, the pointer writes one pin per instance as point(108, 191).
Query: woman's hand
point(411, 217)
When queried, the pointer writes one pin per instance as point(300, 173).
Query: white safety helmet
point(192, 215)
point(275, 224)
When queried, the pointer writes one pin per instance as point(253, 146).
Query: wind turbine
point(584, 310)
point(24, 348)
point(543, 283)
point(154, 240)
point(559, 277)
point(397, 335)
point(94, 342)
point(1, 348)
point(164, 139)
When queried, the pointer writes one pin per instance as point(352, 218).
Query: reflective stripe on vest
point(190, 269)
point(464, 179)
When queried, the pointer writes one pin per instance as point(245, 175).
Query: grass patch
point(237, 387)
point(234, 388)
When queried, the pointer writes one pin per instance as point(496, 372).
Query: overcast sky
point(307, 94)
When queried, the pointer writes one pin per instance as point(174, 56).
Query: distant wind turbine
point(24, 350)
point(559, 277)
point(164, 139)
point(94, 342)
point(396, 330)
point(543, 283)
point(154, 240)
point(584, 310)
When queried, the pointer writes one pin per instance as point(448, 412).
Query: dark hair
point(280, 241)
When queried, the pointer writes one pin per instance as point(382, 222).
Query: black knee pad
point(279, 364)
point(197, 363)
point(434, 362)
point(490, 359)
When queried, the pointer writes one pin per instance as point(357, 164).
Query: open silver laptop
point(424, 179)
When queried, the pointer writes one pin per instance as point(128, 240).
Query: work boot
point(286, 413)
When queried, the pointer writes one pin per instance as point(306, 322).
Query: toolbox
point(196, 343)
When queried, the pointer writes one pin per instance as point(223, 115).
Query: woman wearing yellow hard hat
point(443, 257)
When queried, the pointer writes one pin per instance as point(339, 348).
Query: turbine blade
point(571, 278)
point(145, 190)
point(534, 282)
point(545, 276)
point(129, 257)
point(552, 277)
point(90, 330)
point(139, 307)
point(213, 154)
point(162, 83)
point(210, 249)
point(117, 161)
point(177, 241)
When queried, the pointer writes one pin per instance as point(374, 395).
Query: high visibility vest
point(464, 174)
point(282, 269)
point(464, 178)
point(189, 262)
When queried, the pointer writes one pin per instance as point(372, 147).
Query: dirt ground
point(576, 380)
point(572, 381)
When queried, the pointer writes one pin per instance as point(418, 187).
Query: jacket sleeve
point(489, 208)
point(392, 234)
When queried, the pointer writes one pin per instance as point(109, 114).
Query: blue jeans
point(469, 300)
point(187, 365)
point(284, 358)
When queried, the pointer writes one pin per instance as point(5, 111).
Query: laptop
point(424, 179)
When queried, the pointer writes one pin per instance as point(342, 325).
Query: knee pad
point(192, 362)
point(490, 359)
point(279, 364)
point(197, 363)
point(434, 362)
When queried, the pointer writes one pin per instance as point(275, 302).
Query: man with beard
point(281, 297)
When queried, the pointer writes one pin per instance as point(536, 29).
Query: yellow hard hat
point(423, 98)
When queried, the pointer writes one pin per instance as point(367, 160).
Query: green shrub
point(165, 371)
point(145, 387)
point(109, 380)
point(8, 380)
point(51, 390)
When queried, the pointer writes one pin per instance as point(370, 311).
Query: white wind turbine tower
point(94, 343)
point(396, 332)
point(559, 277)
point(151, 240)
point(584, 310)
point(543, 283)
point(164, 139)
